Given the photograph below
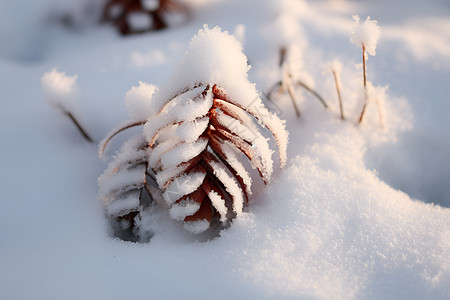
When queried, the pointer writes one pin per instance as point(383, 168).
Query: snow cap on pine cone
point(203, 119)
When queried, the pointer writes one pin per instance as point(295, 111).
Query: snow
point(266, 118)
point(219, 204)
point(259, 144)
point(183, 185)
point(231, 186)
point(139, 21)
point(184, 208)
point(237, 165)
point(366, 34)
point(239, 33)
point(217, 58)
point(190, 131)
point(196, 227)
point(151, 5)
point(183, 108)
point(358, 212)
point(164, 176)
point(284, 30)
point(138, 100)
point(60, 89)
point(183, 153)
point(120, 182)
point(148, 59)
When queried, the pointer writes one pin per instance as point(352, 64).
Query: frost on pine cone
point(123, 184)
point(202, 125)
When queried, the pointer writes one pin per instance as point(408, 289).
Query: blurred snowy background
point(358, 213)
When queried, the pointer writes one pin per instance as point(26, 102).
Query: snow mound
point(328, 228)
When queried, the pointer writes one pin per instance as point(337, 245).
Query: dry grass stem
point(338, 89)
point(366, 97)
point(80, 128)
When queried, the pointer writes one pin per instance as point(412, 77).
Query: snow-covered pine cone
point(196, 139)
point(195, 136)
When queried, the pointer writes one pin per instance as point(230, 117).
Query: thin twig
point(291, 92)
point(283, 52)
point(79, 127)
point(272, 89)
point(309, 89)
point(366, 96)
point(338, 89)
point(130, 125)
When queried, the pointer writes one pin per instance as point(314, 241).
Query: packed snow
point(358, 212)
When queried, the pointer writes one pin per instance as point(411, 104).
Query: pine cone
point(122, 12)
point(196, 138)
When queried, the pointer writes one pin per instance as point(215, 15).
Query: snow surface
point(350, 217)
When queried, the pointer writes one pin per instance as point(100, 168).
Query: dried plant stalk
point(338, 90)
point(366, 96)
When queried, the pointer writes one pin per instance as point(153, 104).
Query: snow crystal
point(138, 100)
point(183, 185)
point(60, 89)
point(366, 34)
